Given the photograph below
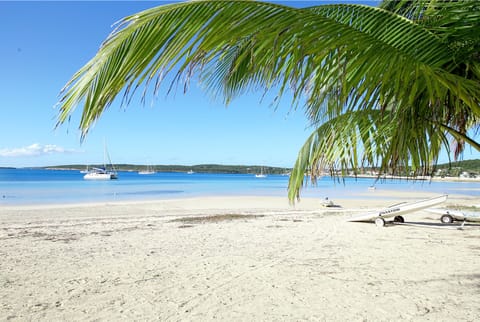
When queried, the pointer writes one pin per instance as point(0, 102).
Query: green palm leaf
point(392, 85)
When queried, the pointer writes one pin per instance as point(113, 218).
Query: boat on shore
point(448, 216)
point(396, 211)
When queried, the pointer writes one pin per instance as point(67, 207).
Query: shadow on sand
point(456, 225)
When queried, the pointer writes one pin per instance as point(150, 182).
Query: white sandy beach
point(235, 259)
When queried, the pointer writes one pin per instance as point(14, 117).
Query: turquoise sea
point(40, 186)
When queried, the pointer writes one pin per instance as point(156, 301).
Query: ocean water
point(39, 186)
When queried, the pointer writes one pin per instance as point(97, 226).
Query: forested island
point(464, 168)
point(200, 168)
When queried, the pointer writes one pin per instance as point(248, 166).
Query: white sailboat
point(148, 170)
point(261, 174)
point(102, 173)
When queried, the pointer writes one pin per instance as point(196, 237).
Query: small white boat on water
point(148, 170)
point(261, 174)
point(100, 174)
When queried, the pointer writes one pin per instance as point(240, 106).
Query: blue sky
point(45, 43)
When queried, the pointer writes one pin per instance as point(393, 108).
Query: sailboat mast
point(104, 154)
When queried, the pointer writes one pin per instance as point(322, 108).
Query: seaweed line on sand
point(214, 218)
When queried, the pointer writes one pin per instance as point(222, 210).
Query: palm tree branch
point(155, 41)
point(356, 139)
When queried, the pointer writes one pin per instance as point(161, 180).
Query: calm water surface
point(38, 186)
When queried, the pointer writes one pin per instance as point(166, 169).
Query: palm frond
point(382, 86)
point(392, 143)
point(154, 42)
point(285, 46)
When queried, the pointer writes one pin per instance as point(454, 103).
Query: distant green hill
point(454, 169)
point(468, 165)
point(200, 168)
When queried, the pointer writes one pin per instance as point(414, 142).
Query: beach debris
point(328, 203)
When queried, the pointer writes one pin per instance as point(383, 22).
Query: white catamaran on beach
point(396, 211)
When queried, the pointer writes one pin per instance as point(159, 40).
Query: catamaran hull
point(455, 215)
point(99, 176)
point(399, 210)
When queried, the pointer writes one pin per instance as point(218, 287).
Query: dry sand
point(235, 259)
